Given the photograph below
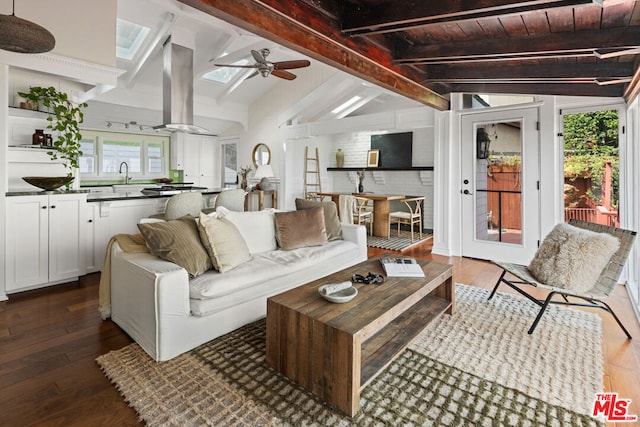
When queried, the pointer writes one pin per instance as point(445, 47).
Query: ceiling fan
point(266, 68)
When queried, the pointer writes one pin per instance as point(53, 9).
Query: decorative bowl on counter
point(163, 180)
point(48, 183)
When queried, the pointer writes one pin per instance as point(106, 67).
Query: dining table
point(381, 208)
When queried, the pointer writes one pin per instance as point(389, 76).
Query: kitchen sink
point(130, 188)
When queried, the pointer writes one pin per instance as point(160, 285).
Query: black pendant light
point(22, 36)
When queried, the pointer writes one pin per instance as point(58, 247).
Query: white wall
point(631, 208)
point(263, 123)
point(4, 134)
point(447, 221)
point(353, 136)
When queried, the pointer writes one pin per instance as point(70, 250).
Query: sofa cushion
point(297, 229)
point(331, 220)
point(177, 241)
point(572, 258)
point(257, 228)
point(269, 272)
point(224, 243)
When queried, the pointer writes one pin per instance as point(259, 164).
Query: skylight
point(224, 74)
point(340, 108)
point(129, 38)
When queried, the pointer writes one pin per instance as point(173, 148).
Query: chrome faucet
point(126, 174)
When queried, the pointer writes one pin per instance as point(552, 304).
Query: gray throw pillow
point(177, 241)
point(224, 243)
point(331, 220)
point(299, 229)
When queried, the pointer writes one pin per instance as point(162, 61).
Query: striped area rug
point(397, 243)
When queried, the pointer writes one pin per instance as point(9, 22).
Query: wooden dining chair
point(413, 215)
point(362, 212)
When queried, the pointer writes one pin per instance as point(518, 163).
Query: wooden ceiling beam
point(298, 26)
point(560, 89)
point(633, 88)
point(584, 71)
point(579, 42)
point(388, 17)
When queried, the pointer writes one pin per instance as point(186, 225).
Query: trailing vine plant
point(65, 119)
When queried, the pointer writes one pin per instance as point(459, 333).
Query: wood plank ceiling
point(427, 50)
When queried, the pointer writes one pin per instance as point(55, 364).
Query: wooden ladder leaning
point(312, 184)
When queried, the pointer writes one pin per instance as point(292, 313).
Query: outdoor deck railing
point(582, 214)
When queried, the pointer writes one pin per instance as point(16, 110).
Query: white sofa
point(167, 314)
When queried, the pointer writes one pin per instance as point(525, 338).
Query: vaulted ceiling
point(427, 50)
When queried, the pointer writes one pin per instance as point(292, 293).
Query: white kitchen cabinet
point(117, 217)
point(198, 157)
point(44, 240)
point(92, 264)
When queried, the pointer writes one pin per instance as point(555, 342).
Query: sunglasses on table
point(369, 279)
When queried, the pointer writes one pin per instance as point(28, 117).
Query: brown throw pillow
point(331, 220)
point(177, 241)
point(224, 243)
point(297, 229)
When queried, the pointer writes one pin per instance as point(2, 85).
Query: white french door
point(499, 182)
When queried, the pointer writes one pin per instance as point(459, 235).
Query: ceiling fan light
point(22, 36)
point(265, 72)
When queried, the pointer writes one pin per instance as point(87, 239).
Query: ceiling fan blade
point(235, 66)
point(283, 74)
point(255, 73)
point(258, 57)
point(288, 65)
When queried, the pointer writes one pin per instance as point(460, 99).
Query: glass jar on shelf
point(38, 137)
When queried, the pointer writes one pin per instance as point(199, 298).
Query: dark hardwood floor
point(49, 340)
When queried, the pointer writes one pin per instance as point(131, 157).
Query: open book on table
point(401, 267)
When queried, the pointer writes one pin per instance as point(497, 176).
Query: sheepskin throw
point(572, 258)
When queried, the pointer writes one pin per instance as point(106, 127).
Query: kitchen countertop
point(43, 192)
point(104, 197)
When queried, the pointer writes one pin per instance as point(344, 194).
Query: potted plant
point(244, 173)
point(65, 118)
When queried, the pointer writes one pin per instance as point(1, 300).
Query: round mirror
point(261, 155)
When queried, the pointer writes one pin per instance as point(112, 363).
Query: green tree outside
point(590, 141)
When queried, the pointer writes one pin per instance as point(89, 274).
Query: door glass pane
point(591, 167)
point(498, 177)
point(230, 165)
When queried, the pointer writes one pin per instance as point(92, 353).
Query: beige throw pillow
point(223, 242)
point(256, 227)
point(331, 220)
point(298, 229)
point(573, 258)
point(177, 241)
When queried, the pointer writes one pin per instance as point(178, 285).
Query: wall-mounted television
point(396, 149)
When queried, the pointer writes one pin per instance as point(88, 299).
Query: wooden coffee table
point(335, 350)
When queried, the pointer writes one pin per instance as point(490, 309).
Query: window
point(116, 152)
point(104, 152)
point(129, 38)
point(89, 159)
point(480, 100)
point(154, 158)
point(224, 74)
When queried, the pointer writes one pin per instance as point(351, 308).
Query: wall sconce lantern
point(482, 144)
